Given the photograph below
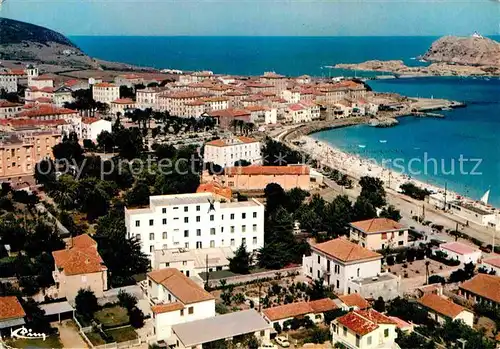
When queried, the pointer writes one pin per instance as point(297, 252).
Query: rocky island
point(449, 56)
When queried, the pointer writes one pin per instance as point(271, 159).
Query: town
point(176, 209)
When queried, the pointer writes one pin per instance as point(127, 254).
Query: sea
point(461, 151)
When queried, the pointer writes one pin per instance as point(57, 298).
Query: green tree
point(127, 300)
point(372, 189)
point(363, 209)
point(317, 290)
point(240, 263)
point(138, 195)
point(86, 303)
point(136, 317)
point(337, 216)
point(391, 212)
point(379, 305)
point(35, 317)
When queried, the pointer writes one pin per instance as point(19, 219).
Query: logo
point(24, 333)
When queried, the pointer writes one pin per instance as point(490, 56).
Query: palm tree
point(427, 263)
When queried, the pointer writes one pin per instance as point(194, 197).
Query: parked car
point(268, 346)
point(282, 341)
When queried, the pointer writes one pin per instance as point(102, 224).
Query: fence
point(241, 279)
point(82, 328)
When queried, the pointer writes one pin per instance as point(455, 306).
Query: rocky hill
point(471, 50)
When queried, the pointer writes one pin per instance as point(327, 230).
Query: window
point(345, 331)
point(211, 217)
point(151, 222)
point(212, 243)
point(232, 216)
point(164, 221)
point(198, 218)
point(254, 240)
point(222, 217)
point(186, 219)
point(221, 229)
point(357, 340)
point(186, 233)
point(244, 241)
point(137, 223)
point(212, 231)
point(319, 259)
point(151, 248)
point(84, 279)
point(199, 244)
point(369, 340)
point(184, 263)
point(243, 228)
point(151, 236)
point(232, 229)
point(198, 232)
point(164, 235)
point(255, 215)
point(262, 333)
point(182, 312)
point(338, 284)
point(357, 272)
point(384, 236)
point(186, 245)
point(190, 310)
point(401, 233)
point(163, 210)
point(186, 208)
point(401, 243)
point(254, 227)
point(197, 207)
point(243, 215)
point(232, 242)
point(386, 332)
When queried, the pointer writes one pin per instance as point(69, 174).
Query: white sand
point(357, 167)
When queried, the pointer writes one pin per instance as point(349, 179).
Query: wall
point(387, 289)
point(377, 337)
point(467, 317)
point(69, 285)
point(259, 182)
point(377, 241)
point(465, 258)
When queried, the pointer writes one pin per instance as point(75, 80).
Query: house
point(220, 192)
point(105, 92)
point(11, 313)
point(256, 178)
point(8, 81)
point(429, 289)
point(175, 299)
point(492, 265)
point(9, 109)
point(379, 233)
point(459, 251)
point(232, 326)
point(92, 127)
point(353, 301)
point(364, 329)
point(482, 288)
point(339, 261)
point(440, 309)
point(226, 117)
point(313, 310)
point(402, 325)
point(196, 221)
point(225, 152)
point(79, 266)
point(121, 105)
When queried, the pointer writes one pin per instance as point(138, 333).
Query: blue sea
point(435, 150)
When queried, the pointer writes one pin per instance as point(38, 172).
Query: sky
point(260, 17)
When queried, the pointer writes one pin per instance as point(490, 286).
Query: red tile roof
point(10, 308)
point(215, 188)
point(182, 287)
point(495, 262)
point(354, 300)
point(105, 84)
point(298, 309)
point(357, 323)
point(441, 305)
point(166, 308)
point(43, 110)
point(81, 258)
point(458, 248)
point(486, 286)
point(346, 251)
point(377, 225)
point(89, 120)
point(400, 323)
point(230, 113)
point(267, 170)
point(7, 104)
point(123, 101)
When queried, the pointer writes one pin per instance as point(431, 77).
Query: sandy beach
point(357, 167)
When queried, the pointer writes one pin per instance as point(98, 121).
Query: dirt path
point(68, 332)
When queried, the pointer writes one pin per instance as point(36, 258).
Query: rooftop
point(354, 300)
point(232, 141)
point(373, 280)
point(217, 256)
point(486, 286)
point(216, 189)
point(182, 287)
point(299, 308)
point(180, 199)
point(345, 251)
point(377, 225)
point(441, 305)
point(493, 262)
point(10, 308)
point(458, 248)
point(267, 170)
point(81, 258)
point(220, 327)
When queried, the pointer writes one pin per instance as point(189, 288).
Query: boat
point(362, 146)
point(383, 141)
point(422, 61)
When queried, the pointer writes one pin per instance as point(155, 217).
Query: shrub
point(86, 303)
point(277, 327)
point(126, 300)
point(435, 279)
point(390, 260)
point(136, 317)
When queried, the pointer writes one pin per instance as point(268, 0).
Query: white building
point(225, 152)
point(8, 81)
point(365, 329)
point(492, 264)
point(41, 81)
point(92, 127)
point(291, 96)
point(474, 212)
point(463, 253)
point(9, 109)
point(148, 97)
point(121, 105)
point(196, 221)
point(105, 92)
point(339, 262)
point(175, 299)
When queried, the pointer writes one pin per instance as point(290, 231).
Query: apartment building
point(47, 112)
point(364, 329)
point(9, 109)
point(338, 262)
point(195, 221)
point(225, 152)
point(121, 105)
point(19, 153)
point(148, 97)
point(175, 299)
point(41, 81)
point(79, 267)
point(8, 81)
point(175, 103)
point(379, 233)
point(105, 92)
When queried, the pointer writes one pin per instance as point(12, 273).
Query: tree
point(69, 149)
point(136, 317)
point(105, 141)
point(379, 305)
point(317, 290)
point(295, 199)
point(437, 279)
point(86, 303)
point(372, 189)
point(127, 300)
point(138, 195)
point(240, 263)
point(391, 212)
point(363, 209)
point(45, 172)
point(413, 191)
point(242, 163)
point(35, 317)
point(337, 216)
point(275, 197)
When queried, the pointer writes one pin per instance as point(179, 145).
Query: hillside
point(471, 50)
